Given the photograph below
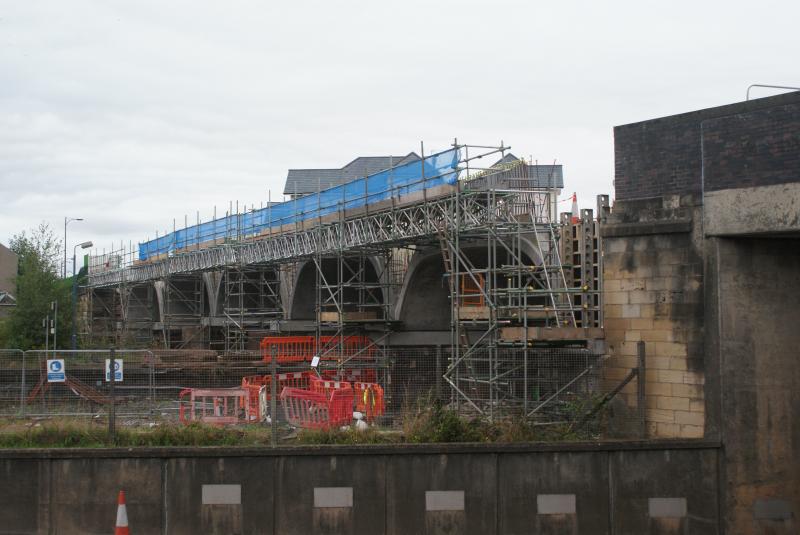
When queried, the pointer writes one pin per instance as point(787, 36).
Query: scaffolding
point(519, 279)
point(517, 283)
point(251, 302)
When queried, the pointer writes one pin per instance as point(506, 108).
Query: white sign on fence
point(117, 370)
point(56, 373)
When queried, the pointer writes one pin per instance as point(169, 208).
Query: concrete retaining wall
point(620, 488)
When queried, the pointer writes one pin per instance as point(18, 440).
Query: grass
point(72, 435)
point(428, 421)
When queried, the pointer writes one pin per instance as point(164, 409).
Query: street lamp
point(67, 220)
point(84, 245)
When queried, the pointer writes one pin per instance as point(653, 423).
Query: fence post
point(152, 381)
point(22, 385)
point(112, 407)
point(640, 387)
point(273, 401)
point(439, 372)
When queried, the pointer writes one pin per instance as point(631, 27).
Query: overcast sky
point(130, 114)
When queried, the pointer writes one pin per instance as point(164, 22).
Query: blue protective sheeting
point(439, 169)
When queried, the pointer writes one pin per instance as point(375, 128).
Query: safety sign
point(55, 371)
point(117, 370)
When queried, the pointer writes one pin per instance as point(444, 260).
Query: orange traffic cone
point(122, 516)
point(576, 214)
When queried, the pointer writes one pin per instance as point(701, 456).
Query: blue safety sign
point(55, 371)
point(117, 370)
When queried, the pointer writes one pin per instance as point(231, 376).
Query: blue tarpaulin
point(435, 170)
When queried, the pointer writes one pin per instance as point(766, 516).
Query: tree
point(38, 286)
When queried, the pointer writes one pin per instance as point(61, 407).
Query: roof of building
point(546, 176)
point(303, 181)
point(7, 299)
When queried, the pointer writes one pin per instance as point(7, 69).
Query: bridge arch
point(424, 302)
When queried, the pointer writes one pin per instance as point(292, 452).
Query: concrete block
point(660, 416)
point(671, 376)
point(772, 509)
point(694, 378)
point(631, 311)
point(678, 364)
point(612, 311)
point(673, 403)
point(612, 285)
point(657, 363)
point(658, 389)
point(555, 504)
point(633, 336)
point(627, 349)
point(647, 311)
point(616, 374)
point(654, 335)
point(664, 325)
point(444, 500)
point(619, 324)
point(616, 298)
point(641, 297)
point(697, 405)
point(667, 430)
point(666, 507)
point(641, 324)
point(626, 361)
point(333, 497)
point(663, 283)
point(691, 431)
point(221, 495)
point(687, 391)
point(633, 284)
point(669, 349)
point(689, 418)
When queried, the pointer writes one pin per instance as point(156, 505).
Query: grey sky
point(130, 114)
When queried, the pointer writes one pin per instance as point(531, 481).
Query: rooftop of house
point(545, 176)
point(305, 181)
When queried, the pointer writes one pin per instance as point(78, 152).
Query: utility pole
point(67, 220)
point(54, 308)
point(84, 245)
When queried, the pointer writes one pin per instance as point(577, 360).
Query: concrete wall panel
point(526, 482)
point(410, 477)
point(83, 494)
point(200, 495)
point(297, 478)
point(671, 478)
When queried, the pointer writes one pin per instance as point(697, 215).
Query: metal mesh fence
point(539, 386)
point(12, 382)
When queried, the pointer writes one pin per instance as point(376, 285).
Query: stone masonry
point(653, 293)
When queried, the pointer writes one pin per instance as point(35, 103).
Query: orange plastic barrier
point(317, 410)
point(369, 399)
point(326, 386)
point(254, 383)
point(288, 348)
point(214, 405)
point(303, 348)
point(368, 375)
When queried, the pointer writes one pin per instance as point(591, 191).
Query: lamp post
point(84, 245)
point(67, 220)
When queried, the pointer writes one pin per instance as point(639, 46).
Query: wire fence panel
point(559, 387)
point(12, 375)
point(61, 382)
